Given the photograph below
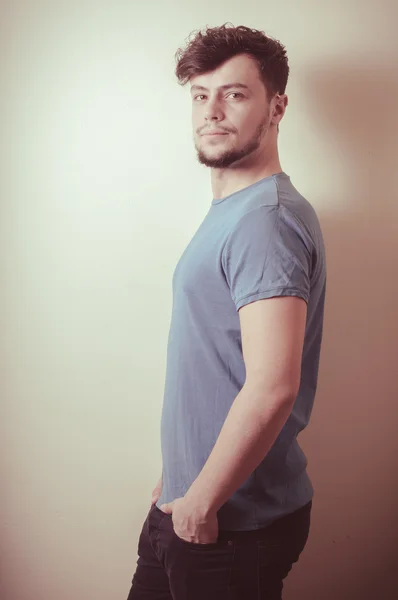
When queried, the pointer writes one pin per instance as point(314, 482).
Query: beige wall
point(100, 193)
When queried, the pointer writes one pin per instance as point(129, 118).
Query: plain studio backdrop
point(100, 193)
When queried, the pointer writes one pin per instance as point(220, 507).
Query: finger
point(167, 508)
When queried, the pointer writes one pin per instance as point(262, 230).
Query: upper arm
point(268, 265)
point(273, 331)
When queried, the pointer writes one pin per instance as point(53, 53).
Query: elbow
point(280, 397)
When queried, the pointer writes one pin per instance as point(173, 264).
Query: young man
point(231, 512)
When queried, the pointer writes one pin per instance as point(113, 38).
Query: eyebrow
point(221, 87)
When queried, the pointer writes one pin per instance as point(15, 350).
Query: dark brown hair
point(209, 48)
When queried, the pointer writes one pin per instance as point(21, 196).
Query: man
point(231, 512)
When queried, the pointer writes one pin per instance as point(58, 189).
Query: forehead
point(238, 69)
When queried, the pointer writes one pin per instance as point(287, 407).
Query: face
point(232, 101)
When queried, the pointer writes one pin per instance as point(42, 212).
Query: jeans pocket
point(219, 545)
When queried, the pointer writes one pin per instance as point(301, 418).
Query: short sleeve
point(267, 254)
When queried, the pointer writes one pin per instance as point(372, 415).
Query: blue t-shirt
point(259, 242)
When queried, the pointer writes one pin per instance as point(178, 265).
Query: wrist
point(199, 503)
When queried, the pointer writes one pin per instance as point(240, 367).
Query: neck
point(227, 181)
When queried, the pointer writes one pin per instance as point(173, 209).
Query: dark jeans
point(241, 565)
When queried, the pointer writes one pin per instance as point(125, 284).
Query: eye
point(236, 94)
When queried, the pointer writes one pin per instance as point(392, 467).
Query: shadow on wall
point(352, 440)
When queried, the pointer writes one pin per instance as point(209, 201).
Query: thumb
point(156, 495)
point(167, 508)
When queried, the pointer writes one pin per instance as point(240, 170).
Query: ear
point(279, 104)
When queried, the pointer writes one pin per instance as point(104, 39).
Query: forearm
point(250, 429)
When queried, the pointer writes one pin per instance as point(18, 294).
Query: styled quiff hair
point(208, 49)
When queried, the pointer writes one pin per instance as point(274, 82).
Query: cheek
point(197, 123)
point(241, 120)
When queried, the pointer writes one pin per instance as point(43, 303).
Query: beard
point(227, 158)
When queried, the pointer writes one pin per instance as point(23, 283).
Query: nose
point(213, 112)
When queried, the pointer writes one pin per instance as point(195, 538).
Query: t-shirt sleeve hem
point(273, 293)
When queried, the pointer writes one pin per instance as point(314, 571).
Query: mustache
point(217, 129)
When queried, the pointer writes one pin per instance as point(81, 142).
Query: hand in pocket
point(157, 491)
